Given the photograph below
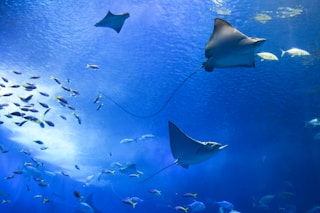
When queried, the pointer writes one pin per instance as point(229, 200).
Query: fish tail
point(186, 210)
point(88, 66)
point(282, 52)
point(134, 204)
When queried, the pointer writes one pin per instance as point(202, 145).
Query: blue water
point(260, 112)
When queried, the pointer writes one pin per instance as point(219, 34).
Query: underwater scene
point(209, 106)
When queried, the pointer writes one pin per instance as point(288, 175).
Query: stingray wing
point(223, 35)
point(113, 21)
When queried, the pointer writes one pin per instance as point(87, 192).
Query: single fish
point(193, 195)
point(45, 200)
point(66, 88)
point(77, 117)
point(267, 56)
point(77, 195)
point(99, 107)
point(33, 110)
point(4, 79)
point(61, 99)
point(130, 202)
point(38, 142)
point(37, 179)
point(45, 112)
point(74, 92)
point(135, 175)
point(128, 140)
point(18, 114)
point(27, 99)
point(4, 151)
point(71, 107)
point(15, 86)
point(16, 72)
point(44, 94)
point(107, 171)
point(155, 191)
point(97, 98)
point(31, 118)
point(64, 173)
point(49, 123)
point(5, 201)
point(181, 208)
point(35, 77)
point(77, 167)
point(6, 95)
point(9, 177)
point(294, 52)
point(28, 164)
point(43, 184)
point(44, 105)
point(55, 79)
point(146, 136)
point(25, 152)
point(93, 66)
point(18, 172)
point(314, 122)
point(29, 87)
point(63, 117)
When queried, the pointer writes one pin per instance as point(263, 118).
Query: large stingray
point(188, 151)
point(227, 47)
point(113, 21)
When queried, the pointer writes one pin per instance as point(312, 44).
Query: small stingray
point(113, 21)
point(187, 150)
point(227, 47)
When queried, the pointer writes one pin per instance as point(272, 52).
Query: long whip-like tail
point(165, 103)
point(157, 172)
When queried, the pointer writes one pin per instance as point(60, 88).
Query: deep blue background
point(259, 112)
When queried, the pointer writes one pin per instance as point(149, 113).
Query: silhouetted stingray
point(227, 47)
point(187, 150)
point(113, 21)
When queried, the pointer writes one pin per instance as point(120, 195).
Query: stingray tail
point(157, 172)
point(165, 103)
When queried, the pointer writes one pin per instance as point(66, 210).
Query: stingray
point(188, 151)
point(226, 48)
point(113, 21)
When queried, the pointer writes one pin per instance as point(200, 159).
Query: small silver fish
point(93, 66)
point(128, 140)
